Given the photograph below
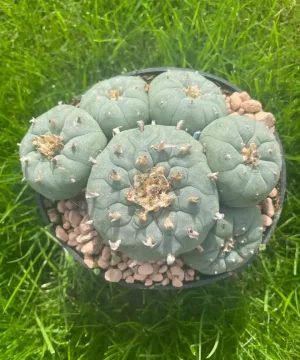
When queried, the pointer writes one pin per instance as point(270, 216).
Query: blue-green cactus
point(185, 96)
point(149, 194)
point(230, 244)
point(120, 101)
point(246, 158)
point(58, 151)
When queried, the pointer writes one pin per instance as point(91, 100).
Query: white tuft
point(91, 195)
point(170, 259)
point(114, 245)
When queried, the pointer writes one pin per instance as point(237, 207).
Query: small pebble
point(163, 269)
point(113, 275)
point(165, 282)
point(74, 218)
point(190, 272)
point(129, 279)
point(267, 221)
point(177, 271)
point(148, 282)
point(53, 216)
point(266, 117)
point(103, 264)
point(160, 262)
point(73, 242)
point(72, 236)
point(77, 230)
point(156, 277)
point(89, 262)
point(145, 269)
point(66, 225)
point(251, 106)
point(85, 228)
point(188, 277)
point(235, 101)
point(244, 96)
point(176, 282)
point(91, 248)
point(69, 204)
point(268, 207)
point(139, 277)
point(61, 233)
point(273, 193)
point(61, 207)
point(106, 253)
point(87, 237)
point(241, 111)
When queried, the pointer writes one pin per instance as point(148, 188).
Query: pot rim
point(204, 279)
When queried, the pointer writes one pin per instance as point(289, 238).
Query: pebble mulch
point(74, 228)
point(242, 104)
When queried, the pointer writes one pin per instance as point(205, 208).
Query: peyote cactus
point(246, 157)
point(186, 96)
point(58, 151)
point(190, 194)
point(118, 102)
point(233, 240)
point(150, 194)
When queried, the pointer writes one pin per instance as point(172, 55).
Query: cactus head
point(185, 96)
point(230, 244)
point(117, 102)
point(247, 157)
point(154, 196)
point(58, 150)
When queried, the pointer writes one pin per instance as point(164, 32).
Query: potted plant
point(161, 178)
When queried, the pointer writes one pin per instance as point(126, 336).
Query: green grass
point(53, 309)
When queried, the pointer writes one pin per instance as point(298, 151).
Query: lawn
point(50, 307)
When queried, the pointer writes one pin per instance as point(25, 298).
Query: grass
point(53, 309)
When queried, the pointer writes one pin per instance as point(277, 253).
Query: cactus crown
point(48, 145)
point(250, 154)
point(151, 190)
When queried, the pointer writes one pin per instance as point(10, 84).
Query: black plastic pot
point(148, 75)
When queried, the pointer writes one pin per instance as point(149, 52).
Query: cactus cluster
point(166, 170)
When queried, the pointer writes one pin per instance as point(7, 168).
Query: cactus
point(245, 157)
point(117, 102)
point(58, 151)
point(186, 96)
point(149, 195)
point(230, 244)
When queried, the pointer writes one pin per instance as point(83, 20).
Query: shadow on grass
point(127, 324)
